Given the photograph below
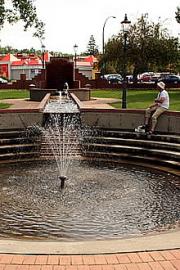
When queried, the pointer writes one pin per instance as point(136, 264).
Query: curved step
point(16, 148)
point(135, 157)
point(135, 135)
point(134, 142)
point(175, 155)
point(12, 133)
point(18, 155)
point(18, 140)
point(127, 144)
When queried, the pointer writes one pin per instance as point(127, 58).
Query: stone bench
point(168, 122)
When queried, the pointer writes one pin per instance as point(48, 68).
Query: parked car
point(129, 78)
point(3, 80)
point(171, 78)
point(145, 77)
point(113, 78)
point(156, 77)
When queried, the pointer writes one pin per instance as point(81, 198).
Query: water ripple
point(98, 202)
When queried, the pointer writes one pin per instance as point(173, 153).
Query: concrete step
point(58, 154)
point(68, 149)
point(19, 140)
point(11, 133)
point(174, 155)
point(49, 155)
point(147, 160)
point(134, 135)
point(60, 143)
point(18, 144)
point(134, 142)
point(18, 155)
point(18, 147)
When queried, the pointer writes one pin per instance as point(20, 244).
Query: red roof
point(86, 61)
point(8, 58)
point(27, 62)
point(89, 59)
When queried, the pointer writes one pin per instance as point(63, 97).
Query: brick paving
point(21, 104)
point(99, 103)
point(152, 260)
point(26, 104)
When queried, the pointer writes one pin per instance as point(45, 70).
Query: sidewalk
point(21, 104)
point(154, 260)
point(98, 103)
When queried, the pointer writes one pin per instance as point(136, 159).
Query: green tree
point(149, 48)
point(92, 48)
point(177, 13)
point(12, 11)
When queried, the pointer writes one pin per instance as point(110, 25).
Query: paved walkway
point(98, 103)
point(154, 260)
point(21, 104)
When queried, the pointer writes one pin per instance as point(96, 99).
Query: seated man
point(160, 105)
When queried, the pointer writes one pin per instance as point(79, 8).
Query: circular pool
point(99, 201)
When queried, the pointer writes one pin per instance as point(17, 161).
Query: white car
point(3, 80)
point(113, 78)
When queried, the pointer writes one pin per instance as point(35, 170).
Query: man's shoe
point(145, 127)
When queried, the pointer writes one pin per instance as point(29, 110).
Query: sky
point(69, 22)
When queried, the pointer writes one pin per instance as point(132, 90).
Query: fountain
point(100, 200)
point(62, 133)
point(63, 92)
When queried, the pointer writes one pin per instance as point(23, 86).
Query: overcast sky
point(70, 22)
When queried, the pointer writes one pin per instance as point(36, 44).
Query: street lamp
point(125, 28)
point(103, 43)
point(43, 60)
point(75, 59)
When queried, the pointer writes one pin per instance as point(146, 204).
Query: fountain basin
point(99, 202)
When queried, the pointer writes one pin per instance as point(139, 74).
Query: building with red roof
point(87, 65)
point(5, 65)
point(11, 66)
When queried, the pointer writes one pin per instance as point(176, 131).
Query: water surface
point(100, 201)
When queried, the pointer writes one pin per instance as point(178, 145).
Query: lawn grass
point(4, 105)
point(138, 99)
point(13, 94)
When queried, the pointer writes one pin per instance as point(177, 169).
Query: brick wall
point(39, 81)
point(81, 81)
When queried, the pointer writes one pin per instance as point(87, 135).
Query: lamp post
point(75, 59)
point(103, 43)
point(43, 60)
point(125, 28)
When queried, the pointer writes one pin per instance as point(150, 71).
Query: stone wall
point(37, 94)
point(169, 122)
point(20, 120)
point(83, 94)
